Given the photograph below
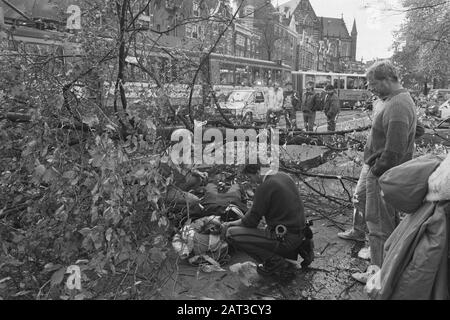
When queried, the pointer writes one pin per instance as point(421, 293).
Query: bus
point(351, 88)
point(230, 72)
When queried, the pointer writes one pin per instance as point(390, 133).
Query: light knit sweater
point(391, 140)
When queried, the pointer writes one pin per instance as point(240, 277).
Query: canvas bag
point(405, 186)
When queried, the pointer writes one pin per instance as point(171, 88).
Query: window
point(339, 83)
point(259, 97)
point(194, 32)
point(158, 27)
point(226, 73)
point(352, 82)
point(240, 40)
point(322, 81)
point(195, 9)
point(356, 83)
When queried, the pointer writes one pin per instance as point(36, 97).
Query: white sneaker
point(364, 253)
point(364, 276)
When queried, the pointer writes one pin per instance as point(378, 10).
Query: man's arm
point(259, 207)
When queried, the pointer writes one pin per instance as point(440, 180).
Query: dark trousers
point(309, 118)
point(291, 118)
point(331, 123)
point(262, 245)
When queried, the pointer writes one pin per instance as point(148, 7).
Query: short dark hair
point(310, 83)
point(252, 168)
point(329, 87)
point(383, 70)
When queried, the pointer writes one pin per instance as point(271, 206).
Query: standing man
point(390, 143)
point(288, 106)
point(287, 235)
point(332, 107)
point(310, 104)
point(275, 104)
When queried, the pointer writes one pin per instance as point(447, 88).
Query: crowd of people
point(391, 144)
point(286, 101)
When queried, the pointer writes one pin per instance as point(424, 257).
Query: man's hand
point(226, 225)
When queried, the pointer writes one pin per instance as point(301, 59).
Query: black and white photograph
point(246, 151)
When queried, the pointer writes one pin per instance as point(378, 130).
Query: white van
point(247, 105)
point(444, 110)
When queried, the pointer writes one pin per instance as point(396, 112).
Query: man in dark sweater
point(390, 143)
point(332, 107)
point(277, 199)
point(310, 104)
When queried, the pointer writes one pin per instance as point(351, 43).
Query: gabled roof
point(334, 27)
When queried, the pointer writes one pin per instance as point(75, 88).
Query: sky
point(376, 20)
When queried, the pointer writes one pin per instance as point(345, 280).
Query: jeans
point(309, 118)
point(359, 202)
point(262, 244)
point(381, 219)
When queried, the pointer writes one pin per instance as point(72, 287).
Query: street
point(347, 119)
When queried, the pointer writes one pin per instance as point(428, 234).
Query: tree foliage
point(81, 181)
point(423, 43)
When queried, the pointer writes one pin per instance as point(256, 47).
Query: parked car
point(439, 135)
point(444, 110)
point(439, 95)
point(247, 105)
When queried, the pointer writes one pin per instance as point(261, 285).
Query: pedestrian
point(390, 143)
point(275, 102)
point(359, 230)
point(288, 106)
point(287, 235)
point(310, 104)
point(331, 108)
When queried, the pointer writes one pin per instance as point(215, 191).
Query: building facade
point(325, 43)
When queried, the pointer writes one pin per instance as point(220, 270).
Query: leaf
point(156, 255)
point(108, 234)
point(110, 127)
point(80, 296)
point(39, 170)
point(85, 231)
point(49, 267)
point(49, 175)
point(91, 120)
point(140, 173)
point(162, 222)
point(69, 174)
point(154, 217)
point(58, 277)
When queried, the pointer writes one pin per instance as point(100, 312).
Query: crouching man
point(287, 234)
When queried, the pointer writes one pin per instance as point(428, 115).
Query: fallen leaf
point(58, 276)
point(49, 267)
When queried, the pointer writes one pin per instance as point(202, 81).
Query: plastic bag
point(373, 284)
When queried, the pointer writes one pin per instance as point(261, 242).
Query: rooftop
point(334, 27)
